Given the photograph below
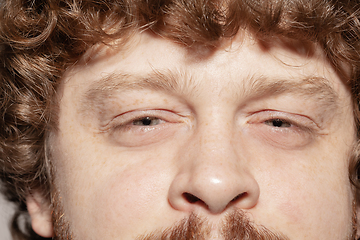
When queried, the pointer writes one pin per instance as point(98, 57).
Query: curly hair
point(40, 39)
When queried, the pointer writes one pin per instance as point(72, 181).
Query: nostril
point(191, 198)
point(242, 195)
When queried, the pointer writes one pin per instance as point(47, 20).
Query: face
point(152, 134)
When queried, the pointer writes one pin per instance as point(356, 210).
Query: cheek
point(307, 196)
point(306, 190)
point(132, 200)
point(109, 191)
point(129, 195)
point(117, 194)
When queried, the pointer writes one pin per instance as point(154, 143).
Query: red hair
point(40, 39)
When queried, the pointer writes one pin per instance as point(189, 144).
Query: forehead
point(145, 52)
point(239, 60)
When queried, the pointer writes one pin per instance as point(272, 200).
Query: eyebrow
point(312, 87)
point(108, 85)
point(315, 88)
point(112, 84)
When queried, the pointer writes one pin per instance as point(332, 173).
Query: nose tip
point(213, 193)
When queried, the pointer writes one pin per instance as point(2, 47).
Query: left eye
point(277, 122)
point(147, 121)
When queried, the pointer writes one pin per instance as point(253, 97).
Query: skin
point(214, 139)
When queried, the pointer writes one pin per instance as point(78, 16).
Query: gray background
point(6, 210)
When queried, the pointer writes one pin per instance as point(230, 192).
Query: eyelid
point(126, 118)
point(303, 122)
point(302, 131)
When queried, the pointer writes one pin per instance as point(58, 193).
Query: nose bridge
point(213, 175)
point(213, 147)
point(214, 133)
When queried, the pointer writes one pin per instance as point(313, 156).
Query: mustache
point(235, 226)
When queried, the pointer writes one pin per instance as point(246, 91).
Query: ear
point(40, 213)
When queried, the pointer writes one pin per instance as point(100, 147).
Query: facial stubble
point(236, 225)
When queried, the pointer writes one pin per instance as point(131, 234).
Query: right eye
point(277, 122)
point(147, 121)
point(144, 127)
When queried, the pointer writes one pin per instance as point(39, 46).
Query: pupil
point(146, 121)
point(277, 123)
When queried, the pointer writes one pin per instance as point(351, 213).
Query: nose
point(213, 176)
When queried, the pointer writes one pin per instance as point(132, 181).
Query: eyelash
point(278, 120)
point(269, 117)
point(279, 129)
point(293, 120)
point(299, 130)
point(146, 118)
point(129, 130)
point(128, 120)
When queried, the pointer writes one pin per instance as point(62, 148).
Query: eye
point(277, 122)
point(147, 121)
point(283, 129)
point(144, 127)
